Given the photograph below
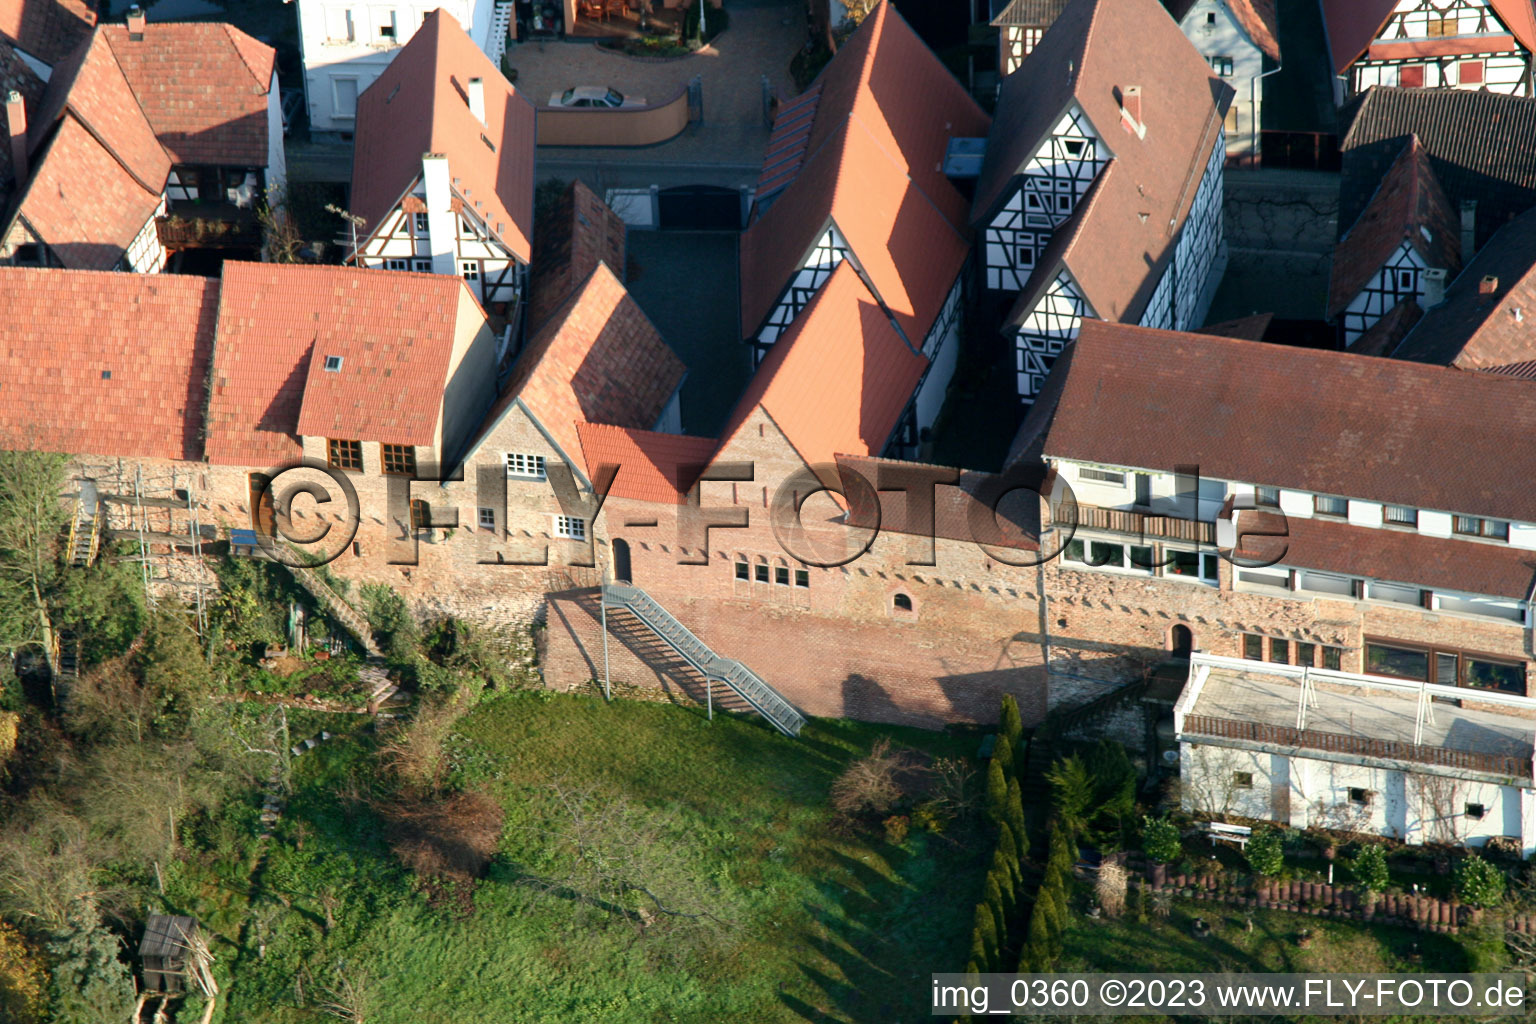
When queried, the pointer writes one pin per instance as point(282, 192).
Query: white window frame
point(470, 271)
point(1202, 557)
point(420, 222)
point(336, 97)
point(422, 266)
point(393, 264)
point(486, 513)
point(570, 527)
point(525, 466)
point(1101, 476)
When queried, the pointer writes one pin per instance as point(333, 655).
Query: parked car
point(594, 96)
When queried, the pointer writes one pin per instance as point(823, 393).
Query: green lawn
point(821, 926)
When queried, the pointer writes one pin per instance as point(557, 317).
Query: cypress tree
point(1013, 814)
point(986, 928)
point(1008, 846)
point(1003, 753)
point(992, 892)
point(1056, 925)
point(1002, 872)
point(1009, 723)
point(997, 792)
point(1035, 956)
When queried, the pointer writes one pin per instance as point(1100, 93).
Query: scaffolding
point(161, 513)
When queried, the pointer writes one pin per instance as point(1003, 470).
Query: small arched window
point(902, 602)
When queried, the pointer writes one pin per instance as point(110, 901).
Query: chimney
point(1468, 230)
point(1488, 285)
point(1130, 111)
point(477, 99)
point(16, 125)
point(136, 21)
point(1434, 287)
point(442, 225)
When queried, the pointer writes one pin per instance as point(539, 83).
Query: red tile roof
point(568, 244)
point(394, 332)
point(63, 334)
point(203, 88)
point(1388, 332)
point(597, 360)
point(885, 113)
point(1352, 26)
point(420, 105)
point(1017, 521)
point(1480, 326)
point(1409, 206)
point(46, 29)
point(1399, 556)
point(1249, 328)
point(82, 203)
point(786, 146)
point(1319, 421)
point(652, 467)
point(15, 74)
point(90, 86)
point(837, 381)
point(1124, 230)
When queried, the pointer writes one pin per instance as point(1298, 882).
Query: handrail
point(748, 685)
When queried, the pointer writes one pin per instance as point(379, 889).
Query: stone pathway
point(760, 42)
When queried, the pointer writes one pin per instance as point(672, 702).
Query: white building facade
point(345, 45)
point(1238, 59)
point(1434, 44)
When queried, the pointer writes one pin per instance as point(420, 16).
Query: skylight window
point(333, 364)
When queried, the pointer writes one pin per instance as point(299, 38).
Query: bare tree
point(349, 998)
point(1438, 799)
point(629, 862)
point(1213, 779)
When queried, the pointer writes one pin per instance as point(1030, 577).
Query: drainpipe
point(1255, 91)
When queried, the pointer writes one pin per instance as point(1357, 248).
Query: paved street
point(726, 149)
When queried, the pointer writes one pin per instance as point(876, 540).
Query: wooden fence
point(1363, 746)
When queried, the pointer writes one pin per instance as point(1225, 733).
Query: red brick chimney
point(16, 126)
point(136, 20)
point(1488, 285)
point(1130, 111)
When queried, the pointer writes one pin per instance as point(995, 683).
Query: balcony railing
point(1361, 746)
point(220, 227)
point(1119, 520)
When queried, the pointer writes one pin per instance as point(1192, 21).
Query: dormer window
point(1324, 505)
point(333, 364)
point(1402, 515)
point(1475, 526)
point(1266, 497)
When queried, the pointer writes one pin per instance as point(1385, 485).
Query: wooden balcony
point(1360, 746)
point(210, 226)
point(1117, 520)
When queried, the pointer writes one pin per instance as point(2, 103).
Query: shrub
point(1266, 851)
point(1160, 838)
point(1370, 868)
point(896, 827)
point(1109, 887)
point(997, 792)
point(870, 785)
point(1010, 726)
point(454, 837)
point(1479, 883)
point(1013, 815)
point(1071, 793)
point(930, 816)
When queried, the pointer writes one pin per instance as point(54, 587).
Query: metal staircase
point(501, 23)
point(84, 533)
point(745, 683)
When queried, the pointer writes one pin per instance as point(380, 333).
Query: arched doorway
point(621, 569)
point(1182, 642)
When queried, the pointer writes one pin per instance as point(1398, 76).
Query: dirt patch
point(452, 838)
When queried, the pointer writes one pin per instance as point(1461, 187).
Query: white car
point(594, 96)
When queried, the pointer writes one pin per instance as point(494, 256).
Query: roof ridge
point(69, 105)
point(229, 33)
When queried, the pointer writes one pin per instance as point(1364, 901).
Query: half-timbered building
point(1404, 248)
point(1100, 192)
point(852, 174)
point(1241, 41)
point(149, 139)
point(1020, 26)
point(1430, 44)
point(443, 172)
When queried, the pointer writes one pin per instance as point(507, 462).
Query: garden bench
point(1239, 834)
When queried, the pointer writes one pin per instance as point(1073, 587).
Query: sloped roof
point(104, 363)
point(91, 87)
point(1352, 25)
point(652, 467)
point(885, 114)
point(785, 153)
point(568, 244)
point(598, 359)
point(1387, 333)
point(956, 508)
point(420, 105)
point(1482, 146)
point(83, 203)
point(15, 74)
point(1127, 224)
point(1258, 18)
point(1027, 13)
point(1399, 555)
point(394, 332)
point(837, 381)
point(1474, 330)
point(46, 29)
point(202, 87)
point(1249, 328)
point(1312, 420)
point(1409, 206)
